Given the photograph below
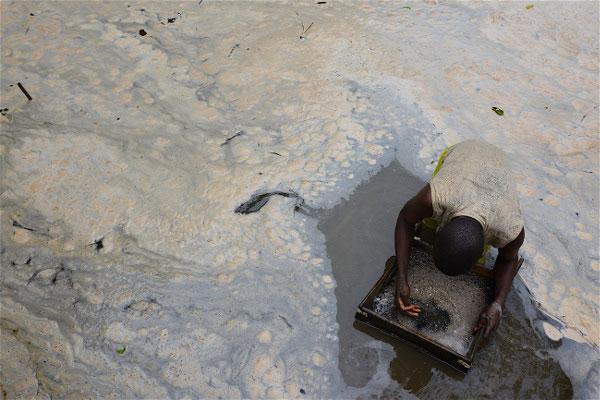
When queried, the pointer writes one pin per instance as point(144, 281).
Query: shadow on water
point(359, 237)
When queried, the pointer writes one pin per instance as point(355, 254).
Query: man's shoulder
point(477, 143)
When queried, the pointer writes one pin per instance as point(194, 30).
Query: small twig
point(32, 277)
point(24, 91)
point(18, 225)
point(305, 30)
point(311, 24)
point(237, 46)
point(286, 321)
point(276, 153)
point(240, 133)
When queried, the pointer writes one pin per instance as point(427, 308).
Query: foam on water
point(135, 142)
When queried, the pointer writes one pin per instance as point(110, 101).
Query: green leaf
point(121, 350)
point(498, 111)
point(407, 7)
point(529, 7)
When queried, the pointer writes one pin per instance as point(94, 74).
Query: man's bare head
point(458, 245)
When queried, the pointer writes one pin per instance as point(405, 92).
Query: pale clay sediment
point(122, 141)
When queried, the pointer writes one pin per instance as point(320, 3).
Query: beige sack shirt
point(476, 181)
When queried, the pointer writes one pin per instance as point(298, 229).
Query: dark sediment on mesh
point(450, 304)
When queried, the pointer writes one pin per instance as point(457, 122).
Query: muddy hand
point(489, 319)
point(402, 301)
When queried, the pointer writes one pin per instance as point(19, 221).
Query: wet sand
point(359, 237)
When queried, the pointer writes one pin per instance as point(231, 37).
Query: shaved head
point(458, 245)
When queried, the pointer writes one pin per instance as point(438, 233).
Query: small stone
point(264, 336)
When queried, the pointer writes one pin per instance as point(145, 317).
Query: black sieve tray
point(461, 360)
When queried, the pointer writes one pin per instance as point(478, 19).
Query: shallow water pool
point(513, 363)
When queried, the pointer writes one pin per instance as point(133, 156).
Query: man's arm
point(415, 210)
point(505, 269)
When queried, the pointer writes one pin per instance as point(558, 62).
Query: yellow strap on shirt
point(440, 161)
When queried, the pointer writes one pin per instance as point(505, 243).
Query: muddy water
point(359, 234)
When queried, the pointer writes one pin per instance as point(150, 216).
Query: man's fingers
point(483, 322)
point(411, 310)
point(412, 313)
point(496, 323)
point(488, 329)
point(409, 307)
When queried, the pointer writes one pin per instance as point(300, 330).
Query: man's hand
point(403, 300)
point(489, 319)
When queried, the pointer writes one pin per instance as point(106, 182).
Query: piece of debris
point(240, 133)
point(432, 316)
point(284, 319)
point(171, 20)
point(302, 390)
point(302, 36)
point(98, 244)
point(257, 201)
point(24, 91)
point(19, 225)
point(276, 153)
point(498, 111)
point(3, 111)
point(58, 271)
point(236, 46)
point(143, 32)
point(321, 2)
point(406, 8)
point(529, 7)
point(121, 350)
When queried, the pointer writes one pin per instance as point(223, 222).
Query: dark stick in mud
point(24, 91)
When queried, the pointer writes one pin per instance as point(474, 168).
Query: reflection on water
point(359, 234)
